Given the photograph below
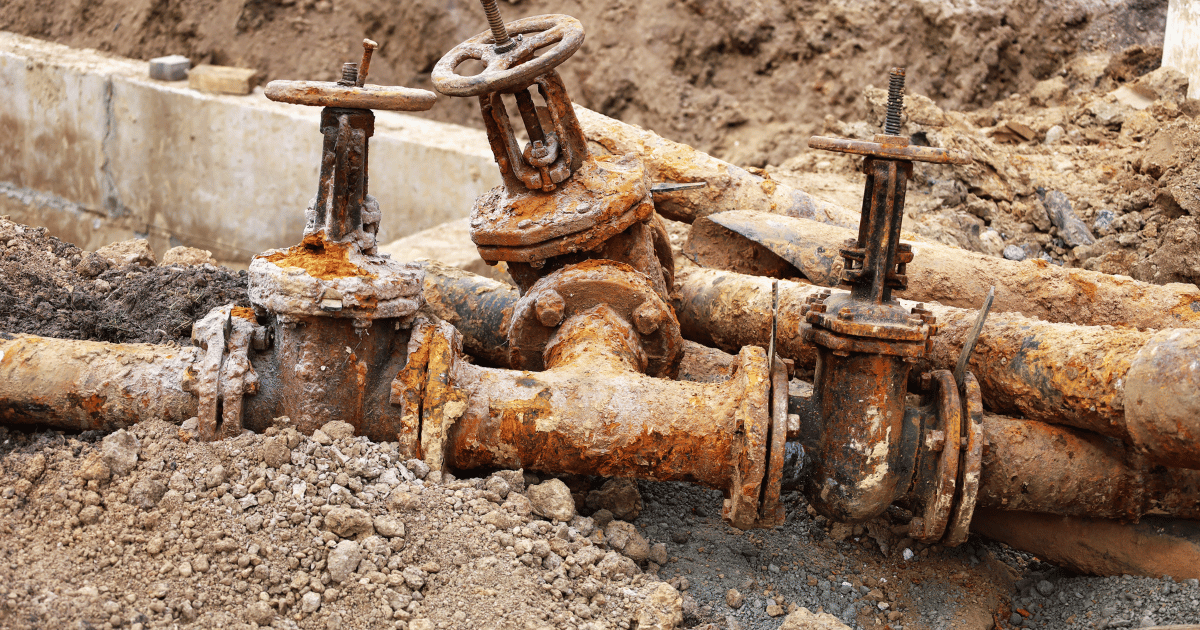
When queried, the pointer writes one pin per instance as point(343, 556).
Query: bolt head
point(647, 317)
point(550, 306)
point(846, 314)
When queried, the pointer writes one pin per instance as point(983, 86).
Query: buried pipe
point(760, 243)
point(1141, 387)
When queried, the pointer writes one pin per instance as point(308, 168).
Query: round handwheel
point(515, 68)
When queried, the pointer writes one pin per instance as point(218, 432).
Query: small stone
point(498, 485)
point(322, 438)
point(625, 538)
point(1071, 229)
point(215, 477)
point(1054, 135)
point(275, 452)
point(552, 499)
point(804, 619)
point(400, 500)
point(389, 526)
point(1045, 587)
point(90, 514)
point(200, 564)
point(734, 599)
point(348, 522)
point(132, 252)
point(31, 468)
point(414, 578)
point(662, 609)
point(185, 569)
point(147, 493)
point(187, 256)
point(658, 554)
point(775, 610)
point(418, 468)
point(120, 450)
point(94, 468)
point(602, 518)
point(338, 430)
point(170, 68)
point(310, 603)
point(261, 613)
point(91, 265)
point(619, 496)
point(1015, 619)
point(343, 560)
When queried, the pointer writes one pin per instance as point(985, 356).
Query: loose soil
point(54, 289)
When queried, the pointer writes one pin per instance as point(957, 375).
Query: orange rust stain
point(1188, 309)
point(1087, 287)
point(1040, 263)
point(320, 258)
point(93, 404)
point(244, 312)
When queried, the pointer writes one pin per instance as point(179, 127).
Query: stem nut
point(550, 306)
point(647, 317)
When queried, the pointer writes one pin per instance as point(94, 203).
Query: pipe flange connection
point(577, 288)
point(226, 335)
point(972, 463)
point(940, 446)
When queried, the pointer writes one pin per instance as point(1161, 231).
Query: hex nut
point(550, 306)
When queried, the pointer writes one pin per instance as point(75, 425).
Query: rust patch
point(244, 312)
point(1188, 309)
point(321, 259)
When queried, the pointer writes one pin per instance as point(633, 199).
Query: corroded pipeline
point(729, 187)
point(86, 385)
point(1154, 547)
point(1036, 467)
point(1138, 386)
point(592, 411)
point(477, 306)
point(746, 241)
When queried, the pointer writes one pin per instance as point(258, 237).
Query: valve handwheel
point(515, 68)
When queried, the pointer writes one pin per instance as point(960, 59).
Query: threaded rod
point(349, 74)
point(500, 36)
point(891, 126)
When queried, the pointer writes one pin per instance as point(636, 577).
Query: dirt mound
point(55, 289)
point(746, 81)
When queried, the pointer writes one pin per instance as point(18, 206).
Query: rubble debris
point(1070, 228)
point(170, 68)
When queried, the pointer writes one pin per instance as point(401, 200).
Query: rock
point(658, 554)
point(91, 265)
point(1054, 135)
point(499, 485)
point(662, 609)
point(343, 560)
point(804, 619)
point(1071, 229)
point(1165, 83)
point(90, 514)
point(31, 468)
point(389, 526)
point(993, 244)
point(275, 451)
point(348, 522)
point(338, 430)
point(501, 520)
point(418, 468)
point(322, 438)
point(403, 501)
point(552, 499)
point(185, 256)
point(619, 496)
point(132, 252)
point(94, 468)
point(624, 537)
point(120, 450)
point(1103, 224)
point(1045, 587)
point(420, 624)
point(147, 493)
point(774, 610)
point(614, 566)
point(310, 603)
point(414, 578)
point(521, 505)
point(215, 476)
point(734, 599)
point(1108, 110)
point(602, 518)
point(261, 613)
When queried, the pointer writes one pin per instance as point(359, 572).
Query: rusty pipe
point(1139, 386)
point(91, 385)
point(762, 243)
point(1036, 467)
point(478, 307)
point(729, 187)
point(1154, 547)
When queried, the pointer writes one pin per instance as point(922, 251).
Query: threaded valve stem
point(891, 125)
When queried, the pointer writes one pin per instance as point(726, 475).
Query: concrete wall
point(1181, 45)
point(96, 151)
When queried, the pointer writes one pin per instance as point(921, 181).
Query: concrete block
point(1181, 43)
point(222, 79)
point(170, 68)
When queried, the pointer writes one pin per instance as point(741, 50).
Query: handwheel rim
point(564, 32)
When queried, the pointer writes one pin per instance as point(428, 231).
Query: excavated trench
point(155, 525)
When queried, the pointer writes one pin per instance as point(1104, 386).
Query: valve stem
point(502, 42)
point(891, 126)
